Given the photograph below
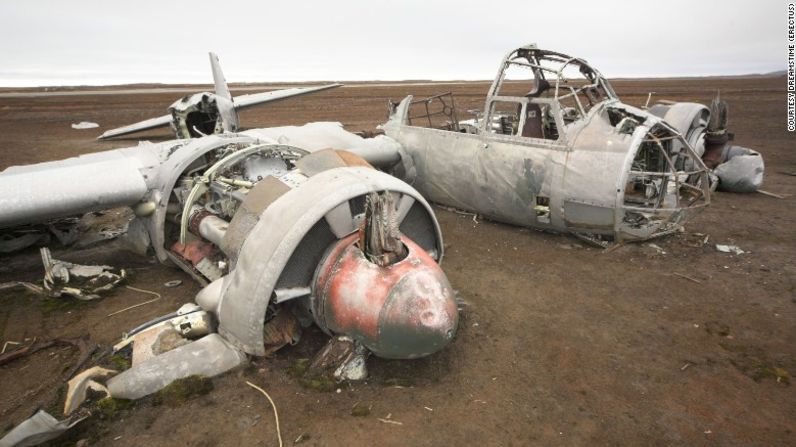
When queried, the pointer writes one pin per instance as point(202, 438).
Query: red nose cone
point(404, 310)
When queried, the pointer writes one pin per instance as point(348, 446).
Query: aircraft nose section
point(402, 311)
point(419, 317)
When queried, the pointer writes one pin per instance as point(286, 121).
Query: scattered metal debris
point(656, 247)
point(387, 420)
point(734, 249)
point(83, 282)
point(341, 358)
point(85, 125)
point(283, 232)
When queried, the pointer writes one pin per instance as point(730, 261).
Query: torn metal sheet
point(83, 282)
point(39, 428)
point(207, 113)
point(342, 359)
point(742, 171)
point(78, 386)
point(734, 249)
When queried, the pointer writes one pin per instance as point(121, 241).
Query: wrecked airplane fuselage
point(270, 229)
point(555, 149)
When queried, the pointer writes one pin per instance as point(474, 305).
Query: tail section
point(218, 77)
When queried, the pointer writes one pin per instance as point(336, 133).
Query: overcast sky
point(97, 42)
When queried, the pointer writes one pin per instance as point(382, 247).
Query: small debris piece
point(657, 248)
point(688, 278)
point(343, 357)
point(80, 384)
point(684, 367)
point(84, 125)
point(771, 194)
point(5, 345)
point(83, 282)
point(729, 249)
point(390, 421)
point(301, 438)
point(172, 284)
point(273, 405)
point(40, 428)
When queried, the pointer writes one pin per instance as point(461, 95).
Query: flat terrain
point(559, 343)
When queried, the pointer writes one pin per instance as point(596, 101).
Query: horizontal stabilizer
point(151, 123)
point(244, 101)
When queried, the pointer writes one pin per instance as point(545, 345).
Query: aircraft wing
point(244, 101)
point(151, 123)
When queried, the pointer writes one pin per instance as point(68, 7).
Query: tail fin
point(218, 78)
